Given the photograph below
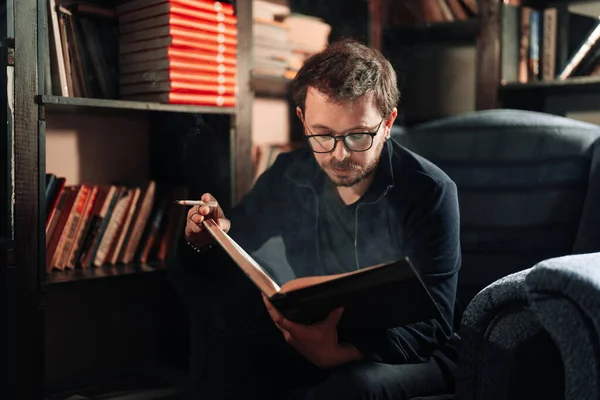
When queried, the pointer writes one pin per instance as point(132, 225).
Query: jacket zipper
point(387, 189)
point(316, 223)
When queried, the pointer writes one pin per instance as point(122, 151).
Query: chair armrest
point(564, 293)
point(502, 345)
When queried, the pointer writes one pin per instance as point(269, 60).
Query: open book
point(381, 296)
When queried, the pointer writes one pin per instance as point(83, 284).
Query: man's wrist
point(200, 249)
point(346, 353)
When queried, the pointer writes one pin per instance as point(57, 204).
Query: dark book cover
point(370, 296)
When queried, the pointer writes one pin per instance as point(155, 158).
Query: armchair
point(528, 186)
point(529, 191)
point(564, 294)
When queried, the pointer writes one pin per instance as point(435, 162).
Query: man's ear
point(299, 113)
point(390, 122)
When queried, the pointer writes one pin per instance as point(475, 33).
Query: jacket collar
point(304, 170)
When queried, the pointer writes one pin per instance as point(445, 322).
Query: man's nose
point(340, 152)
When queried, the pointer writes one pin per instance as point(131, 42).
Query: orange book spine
point(196, 36)
point(189, 17)
point(210, 47)
point(202, 99)
point(187, 87)
point(182, 76)
point(177, 63)
point(208, 5)
point(217, 58)
point(186, 98)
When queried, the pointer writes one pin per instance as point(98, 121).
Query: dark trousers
point(238, 353)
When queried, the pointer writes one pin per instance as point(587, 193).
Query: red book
point(179, 87)
point(172, 8)
point(191, 55)
point(177, 75)
point(138, 6)
point(178, 37)
point(177, 63)
point(186, 98)
point(173, 30)
point(200, 30)
point(178, 16)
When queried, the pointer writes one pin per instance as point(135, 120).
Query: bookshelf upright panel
point(488, 54)
point(241, 135)
point(48, 358)
point(29, 324)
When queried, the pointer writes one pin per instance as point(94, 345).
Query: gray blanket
point(564, 293)
point(503, 346)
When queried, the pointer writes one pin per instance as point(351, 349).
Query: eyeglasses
point(357, 142)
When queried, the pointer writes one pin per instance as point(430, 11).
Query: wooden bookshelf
point(494, 92)
point(579, 84)
point(50, 307)
point(6, 244)
point(270, 86)
point(77, 104)
point(411, 36)
point(106, 272)
point(457, 31)
point(544, 3)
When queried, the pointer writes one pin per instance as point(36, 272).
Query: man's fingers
point(197, 218)
point(273, 312)
point(204, 210)
point(224, 224)
point(206, 197)
point(282, 323)
point(334, 316)
point(286, 335)
point(196, 228)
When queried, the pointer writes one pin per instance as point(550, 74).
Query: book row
point(90, 226)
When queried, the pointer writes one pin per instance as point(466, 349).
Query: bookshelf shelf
point(6, 244)
point(116, 271)
point(58, 315)
point(270, 86)
point(153, 381)
point(74, 104)
point(436, 32)
point(545, 3)
point(571, 85)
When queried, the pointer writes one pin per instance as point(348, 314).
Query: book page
point(250, 267)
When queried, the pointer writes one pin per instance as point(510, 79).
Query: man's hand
point(195, 232)
point(317, 342)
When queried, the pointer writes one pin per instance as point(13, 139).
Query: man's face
point(324, 117)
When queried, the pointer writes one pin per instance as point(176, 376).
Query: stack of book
point(178, 51)
point(80, 50)
point(270, 36)
point(284, 40)
point(97, 225)
point(307, 35)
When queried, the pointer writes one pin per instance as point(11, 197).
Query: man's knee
point(355, 381)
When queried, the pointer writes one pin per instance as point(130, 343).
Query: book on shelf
point(92, 225)
point(178, 51)
point(264, 155)
point(97, 51)
point(80, 51)
point(424, 12)
point(370, 296)
point(552, 43)
point(284, 40)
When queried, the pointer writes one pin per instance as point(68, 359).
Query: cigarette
point(197, 203)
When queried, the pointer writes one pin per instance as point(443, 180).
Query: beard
point(347, 174)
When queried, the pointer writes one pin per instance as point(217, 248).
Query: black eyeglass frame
point(343, 138)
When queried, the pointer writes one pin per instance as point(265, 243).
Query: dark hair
point(345, 71)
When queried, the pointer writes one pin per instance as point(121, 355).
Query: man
point(351, 199)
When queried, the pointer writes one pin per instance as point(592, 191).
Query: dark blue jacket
point(411, 209)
